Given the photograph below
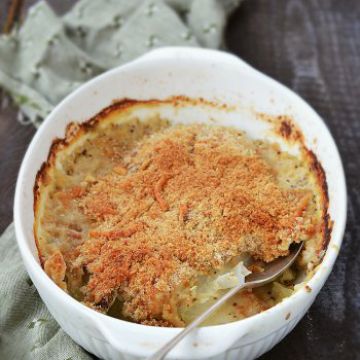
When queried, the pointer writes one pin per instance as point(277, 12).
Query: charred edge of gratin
point(288, 129)
point(74, 130)
point(321, 179)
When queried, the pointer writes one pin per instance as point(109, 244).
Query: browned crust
point(38, 179)
point(321, 179)
point(286, 128)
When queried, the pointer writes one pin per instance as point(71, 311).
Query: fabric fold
point(50, 56)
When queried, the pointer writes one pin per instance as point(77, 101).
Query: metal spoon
point(271, 272)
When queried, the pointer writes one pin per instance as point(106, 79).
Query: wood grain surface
point(312, 46)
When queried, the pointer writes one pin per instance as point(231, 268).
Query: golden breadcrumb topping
point(174, 205)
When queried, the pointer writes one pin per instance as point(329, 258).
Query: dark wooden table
point(312, 46)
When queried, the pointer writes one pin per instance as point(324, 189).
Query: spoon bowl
point(273, 269)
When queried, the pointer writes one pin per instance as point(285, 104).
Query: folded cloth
point(49, 56)
point(43, 61)
point(27, 330)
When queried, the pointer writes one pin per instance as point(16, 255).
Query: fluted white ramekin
point(196, 73)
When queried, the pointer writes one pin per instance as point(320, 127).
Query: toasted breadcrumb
point(176, 204)
point(250, 213)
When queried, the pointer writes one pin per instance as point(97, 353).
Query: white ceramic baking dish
point(196, 73)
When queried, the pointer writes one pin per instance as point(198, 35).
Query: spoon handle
point(160, 354)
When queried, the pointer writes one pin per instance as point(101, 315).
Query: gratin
point(151, 222)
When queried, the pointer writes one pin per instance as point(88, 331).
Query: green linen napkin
point(27, 330)
point(50, 56)
point(42, 62)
